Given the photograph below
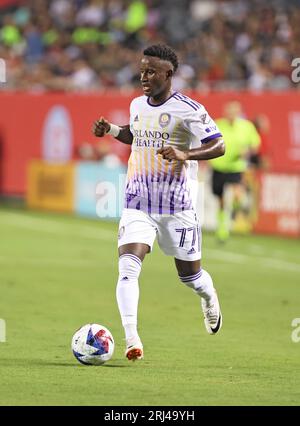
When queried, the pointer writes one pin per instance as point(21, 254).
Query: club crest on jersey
point(164, 119)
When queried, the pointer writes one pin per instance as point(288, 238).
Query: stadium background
point(68, 62)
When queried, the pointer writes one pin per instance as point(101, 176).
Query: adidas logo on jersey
point(136, 118)
point(124, 279)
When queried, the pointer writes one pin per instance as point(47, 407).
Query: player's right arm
point(102, 127)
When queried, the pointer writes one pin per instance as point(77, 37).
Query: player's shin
point(201, 283)
point(128, 292)
point(222, 231)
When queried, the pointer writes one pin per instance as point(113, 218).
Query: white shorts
point(178, 235)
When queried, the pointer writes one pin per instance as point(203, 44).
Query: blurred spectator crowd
point(73, 45)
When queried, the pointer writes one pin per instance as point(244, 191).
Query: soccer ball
point(93, 344)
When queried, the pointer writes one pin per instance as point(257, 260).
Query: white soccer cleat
point(134, 349)
point(212, 314)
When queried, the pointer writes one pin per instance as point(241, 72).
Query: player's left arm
point(212, 149)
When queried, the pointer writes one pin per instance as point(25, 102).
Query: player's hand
point(170, 153)
point(101, 127)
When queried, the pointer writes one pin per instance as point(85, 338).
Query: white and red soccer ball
point(93, 344)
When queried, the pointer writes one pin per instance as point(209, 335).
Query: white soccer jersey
point(155, 185)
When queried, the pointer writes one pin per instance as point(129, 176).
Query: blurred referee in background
point(242, 140)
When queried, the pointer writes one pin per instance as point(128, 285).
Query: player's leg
point(130, 264)
point(238, 193)
point(235, 196)
point(241, 200)
point(192, 275)
point(179, 236)
point(136, 237)
point(218, 182)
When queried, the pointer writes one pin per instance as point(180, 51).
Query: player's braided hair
point(164, 52)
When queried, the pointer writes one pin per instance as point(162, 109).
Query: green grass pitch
point(58, 273)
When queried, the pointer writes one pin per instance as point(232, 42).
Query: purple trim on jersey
point(195, 103)
point(160, 203)
point(171, 180)
point(149, 195)
point(148, 100)
point(169, 174)
point(183, 197)
point(144, 177)
point(168, 195)
point(186, 102)
point(211, 137)
point(186, 98)
point(172, 207)
point(180, 180)
point(173, 184)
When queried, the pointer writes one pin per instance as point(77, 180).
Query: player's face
point(155, 77)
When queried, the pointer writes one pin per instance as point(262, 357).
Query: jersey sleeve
point(202, 127)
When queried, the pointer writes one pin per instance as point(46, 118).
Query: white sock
point(128, 292)
point(201, 283)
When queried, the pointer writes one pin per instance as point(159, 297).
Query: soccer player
point(168, 133)
point(242, 140)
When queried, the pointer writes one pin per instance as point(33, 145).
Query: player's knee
point(137, 249)
point(130, 266)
